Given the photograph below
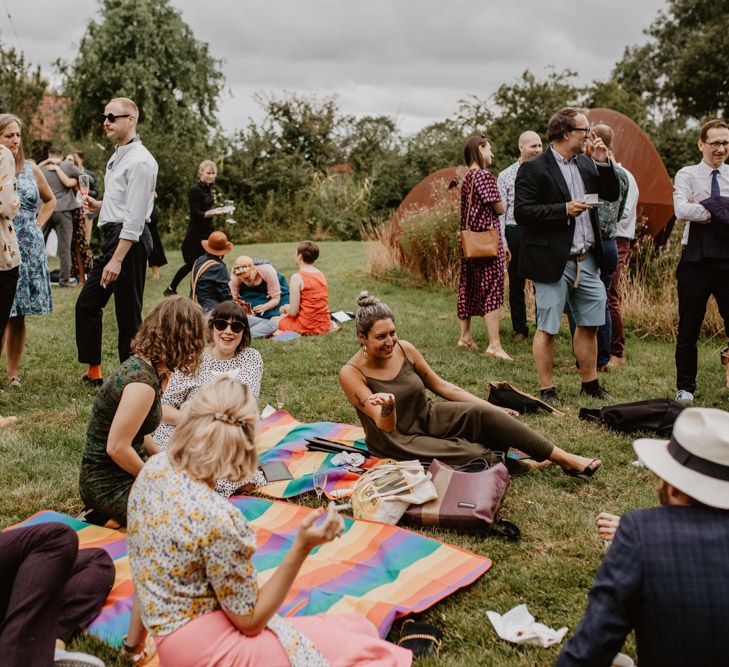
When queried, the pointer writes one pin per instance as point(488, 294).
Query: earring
point(364, 351)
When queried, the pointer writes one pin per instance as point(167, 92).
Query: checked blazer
point(540, 197)
point(666, 576)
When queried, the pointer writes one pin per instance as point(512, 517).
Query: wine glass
point(230, 205)
point(281, 397)
point(320, 481)
point(83, 186)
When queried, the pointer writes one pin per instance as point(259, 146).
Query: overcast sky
point(409, 59)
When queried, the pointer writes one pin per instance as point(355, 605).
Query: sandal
point(139, 655)
point(421, 638)
point(586, 473)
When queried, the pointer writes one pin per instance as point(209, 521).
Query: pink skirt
point(213, 641)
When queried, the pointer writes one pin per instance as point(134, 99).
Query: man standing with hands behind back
point(130, 180)
point(560, 247)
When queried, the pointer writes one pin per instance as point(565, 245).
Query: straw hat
point(696, 458)
point(217, 244)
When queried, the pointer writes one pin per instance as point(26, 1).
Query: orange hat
point(217, 244)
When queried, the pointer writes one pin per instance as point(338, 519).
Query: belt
point(579, 257)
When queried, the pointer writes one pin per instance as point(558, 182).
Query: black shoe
point(169, 291)
point(94, 382)
point(549, 396)
point(598, 393)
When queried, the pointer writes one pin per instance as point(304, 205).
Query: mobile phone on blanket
point(275, 471)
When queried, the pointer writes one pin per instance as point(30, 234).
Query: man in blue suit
point(666, 575)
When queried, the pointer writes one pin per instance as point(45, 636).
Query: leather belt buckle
point(580, 257)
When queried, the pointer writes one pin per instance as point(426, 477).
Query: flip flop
point(586, 473)
point(421, 638)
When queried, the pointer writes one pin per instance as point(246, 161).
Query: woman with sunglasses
point(228, 354)
point(127, 408)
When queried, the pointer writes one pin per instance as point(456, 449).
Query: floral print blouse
point(191, 552)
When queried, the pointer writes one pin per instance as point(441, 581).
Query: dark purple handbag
point(469, 499)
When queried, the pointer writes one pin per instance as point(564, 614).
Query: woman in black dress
point(201, 202)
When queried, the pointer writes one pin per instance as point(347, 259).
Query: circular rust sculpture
point(634, 149)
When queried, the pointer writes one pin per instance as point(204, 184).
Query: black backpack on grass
point(655, 414)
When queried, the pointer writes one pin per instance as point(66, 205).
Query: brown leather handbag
point(477, 244)
point(469, 499)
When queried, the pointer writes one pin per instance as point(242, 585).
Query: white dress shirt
point(690, 186)
point(129, 183)
point(584, 237)
point(626, 224)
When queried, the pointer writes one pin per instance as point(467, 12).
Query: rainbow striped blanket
point(378, 570)
point(283, 438)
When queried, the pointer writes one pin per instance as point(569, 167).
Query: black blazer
point(666, 576)
point(540, 196)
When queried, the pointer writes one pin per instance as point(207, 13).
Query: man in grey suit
point(666, 575)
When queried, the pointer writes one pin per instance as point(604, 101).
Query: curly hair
point(216, 435)
point(230, 310)
point(172, 336)
point(370, 310)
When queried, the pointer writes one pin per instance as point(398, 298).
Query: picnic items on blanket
point(382, 572)
point(352, 460)
point(421, 638)
point(506, 396)
point(275, 471)
point(469, 499)
point(518, 626)
point(653, 414)
point(384, 492)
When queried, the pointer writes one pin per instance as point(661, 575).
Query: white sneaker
point(63, 658)
point(684, 396)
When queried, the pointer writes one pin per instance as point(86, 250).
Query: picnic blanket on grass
point(283, 438)
point(378, 570)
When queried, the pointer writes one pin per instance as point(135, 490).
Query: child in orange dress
point(308, 308)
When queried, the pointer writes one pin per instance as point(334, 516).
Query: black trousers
point(517, 305)
point(8, 283)
point(697, 281)
point(181, 273)
point(48, 589)
point(128, 291)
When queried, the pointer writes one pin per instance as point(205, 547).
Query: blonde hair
point(204, 165)
point(5, 120)
point(216, 435)
point(128, 105)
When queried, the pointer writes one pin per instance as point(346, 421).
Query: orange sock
point(94, 372)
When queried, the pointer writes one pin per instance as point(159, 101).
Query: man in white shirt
point(704, 266)
point(130, 180)
point(530, 145)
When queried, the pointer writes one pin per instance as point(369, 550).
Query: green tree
point(142, 49)
point(611, 95)
point(21, 87)
point(684, 64)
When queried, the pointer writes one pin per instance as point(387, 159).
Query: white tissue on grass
point(518, 626)
point(267, 411)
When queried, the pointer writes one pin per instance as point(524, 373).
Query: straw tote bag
point(478, 244)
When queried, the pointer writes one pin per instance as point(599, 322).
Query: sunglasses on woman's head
point(242, 268)
point(236, 326)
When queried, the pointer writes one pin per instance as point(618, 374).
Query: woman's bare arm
point(379, 407)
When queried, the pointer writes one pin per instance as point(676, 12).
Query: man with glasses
point(699, 191)
point(560, 247)
point(129, 184)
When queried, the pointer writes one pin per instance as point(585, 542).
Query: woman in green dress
point(127, 409)
point(386, 382)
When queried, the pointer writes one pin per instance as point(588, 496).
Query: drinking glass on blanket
point(281, 397)
point(320, 481)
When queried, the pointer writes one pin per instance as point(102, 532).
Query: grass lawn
point(550, 569)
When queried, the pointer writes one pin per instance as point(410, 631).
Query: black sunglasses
point(236, 326)
point(112, 117)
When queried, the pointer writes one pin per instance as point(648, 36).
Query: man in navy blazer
point(666, 575)
point(560, 247)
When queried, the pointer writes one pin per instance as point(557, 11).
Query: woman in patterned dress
point(481, 284)
point(190, 553)
point(229, 354)
point(33, 292)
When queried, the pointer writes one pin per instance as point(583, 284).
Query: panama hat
point(217, 244)
point(696, 458)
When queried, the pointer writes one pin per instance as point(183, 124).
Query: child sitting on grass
point(308, 308)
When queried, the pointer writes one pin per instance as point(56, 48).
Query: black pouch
point(506, 396)
point(654, 414)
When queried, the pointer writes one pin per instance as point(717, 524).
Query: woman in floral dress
point(481, 284)
point(33, 293)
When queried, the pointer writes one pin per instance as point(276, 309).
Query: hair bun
point(364, 299)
